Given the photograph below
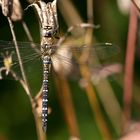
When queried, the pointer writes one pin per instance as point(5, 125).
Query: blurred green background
point(16, 118)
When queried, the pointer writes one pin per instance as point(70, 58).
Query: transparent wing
point(67, 58)
point(29, 53)
point(100, 59)
point(104, 51)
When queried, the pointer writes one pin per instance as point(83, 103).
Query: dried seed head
point(7, 64)
point(7, 60)
point(7, 7)
point(12, 9)
point(17, 13)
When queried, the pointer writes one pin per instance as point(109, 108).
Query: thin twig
point(27, 31)
point(90, 11)
point(85, 72)
point(129, 65)
point(19, 57)
point(69, 12)
point(33, 45)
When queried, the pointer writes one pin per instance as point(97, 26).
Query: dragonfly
point(62, 56)
point(63, 59)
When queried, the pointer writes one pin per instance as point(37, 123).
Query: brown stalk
point(24, 83)
point(85, 72)
point(38, 123)
point(65, 98)
point(64, 93)
point(70, 15)
point(114, 115)
point(19, 57)
point(90, 91)
point(69, 12)
point(95, 104)
point(40, 133)
point(33, 45)
point(129, 66)
point(26, 29)
point(105, 91)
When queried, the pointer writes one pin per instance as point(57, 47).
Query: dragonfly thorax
point(47, 50)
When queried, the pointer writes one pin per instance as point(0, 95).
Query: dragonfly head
point(47, 31)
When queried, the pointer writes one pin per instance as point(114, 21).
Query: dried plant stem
point(27, 31)
point(69, 12)
point(129, 64)
point(89, 32)
point(108, 94)
point(41, 135)
point(19, 57)
point(90, 11)
point(94, 104)
point(67, 104)
point(24, 83)
point(85, 74)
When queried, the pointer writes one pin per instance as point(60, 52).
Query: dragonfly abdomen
point(46, 67)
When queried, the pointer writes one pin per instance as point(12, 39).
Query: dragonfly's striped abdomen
point(46, 69)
